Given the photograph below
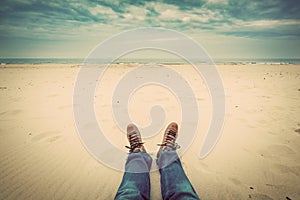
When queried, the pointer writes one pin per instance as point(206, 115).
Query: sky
point(225, 28)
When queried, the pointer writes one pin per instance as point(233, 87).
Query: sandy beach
point(257, 156)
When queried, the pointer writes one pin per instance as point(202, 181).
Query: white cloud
point(169, 14)
point(138, 13)
point(268, 23)
point(186, 19)
point(217, 1)
point(101, 10)
point(128, 16)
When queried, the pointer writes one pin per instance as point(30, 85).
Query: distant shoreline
point(235, 61)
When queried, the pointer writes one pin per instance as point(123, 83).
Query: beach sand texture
point(257, 156)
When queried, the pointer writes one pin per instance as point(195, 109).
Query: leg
point(136, 178)
point(174, 182)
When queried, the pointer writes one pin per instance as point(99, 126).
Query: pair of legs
point(136, 179)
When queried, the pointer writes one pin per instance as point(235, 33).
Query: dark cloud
point(120, 6)
point(152, 12)
point(186, 4)
point(41, 19)
point(37, 10)
point(267, 9)
point(114, 5)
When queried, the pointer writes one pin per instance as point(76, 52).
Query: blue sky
point(226, 29)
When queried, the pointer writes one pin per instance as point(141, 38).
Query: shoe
point(135, 139)
point(169, 138)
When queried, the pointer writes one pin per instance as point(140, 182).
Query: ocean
point(4, 61)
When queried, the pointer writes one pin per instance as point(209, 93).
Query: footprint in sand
point(281, 150)
point(3, 113)
point(235, 181)
point(49, 136)
point(15, 112)
point(260, 196)
point(287, 169)
point(53, 139)
point(276, 150)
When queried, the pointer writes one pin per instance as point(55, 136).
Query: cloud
point(267, 9)
point(73, 20)
point(185, 14)
point(186, 4)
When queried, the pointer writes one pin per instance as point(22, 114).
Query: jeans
point(136, 179)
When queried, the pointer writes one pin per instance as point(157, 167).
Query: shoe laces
point(134, 140)
point(169, 140)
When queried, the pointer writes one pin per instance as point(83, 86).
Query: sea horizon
point(27, 60)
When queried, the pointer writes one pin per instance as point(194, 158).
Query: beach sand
point(257, 156)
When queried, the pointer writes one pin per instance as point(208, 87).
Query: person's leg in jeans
point(136, 179)
point(174, 182)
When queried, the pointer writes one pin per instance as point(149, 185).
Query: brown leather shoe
point(169, 138)
point(135, 139)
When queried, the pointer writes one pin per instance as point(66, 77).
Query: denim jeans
point(136, 179)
